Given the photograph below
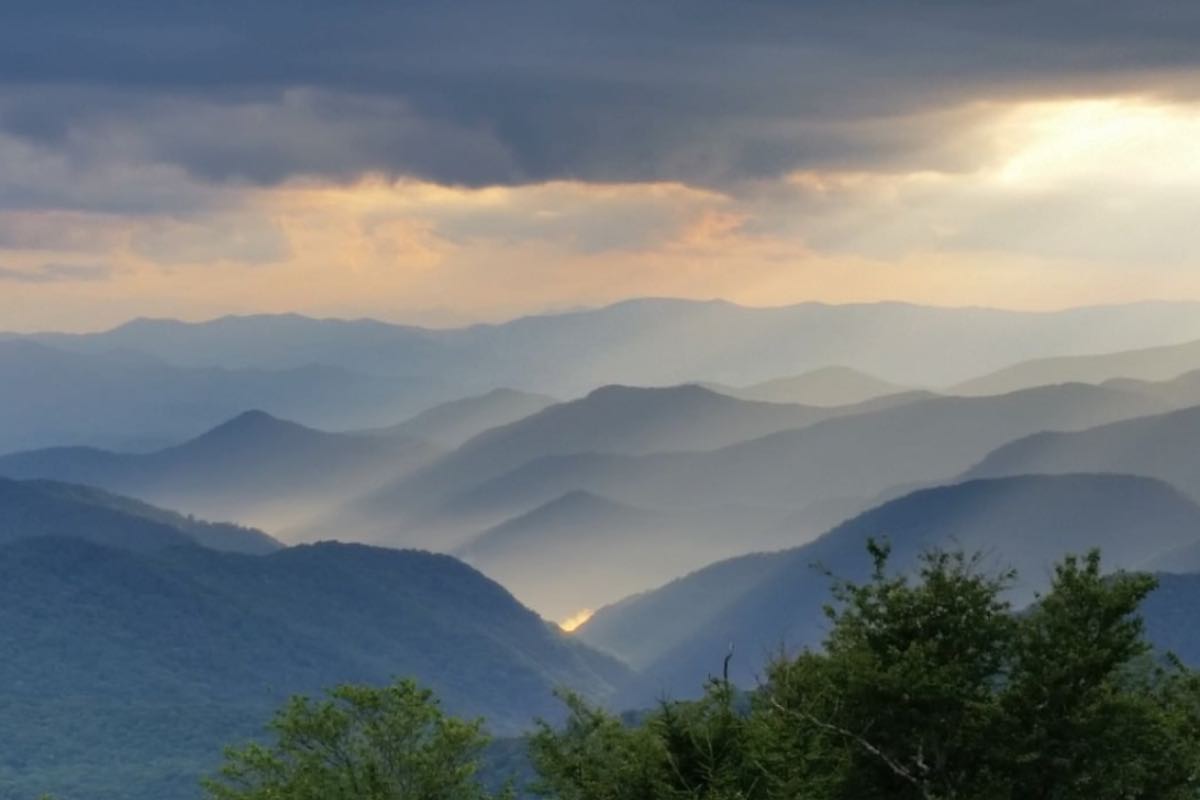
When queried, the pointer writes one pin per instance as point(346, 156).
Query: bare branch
point(892, 764)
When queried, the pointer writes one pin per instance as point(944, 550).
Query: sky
point(448, 162)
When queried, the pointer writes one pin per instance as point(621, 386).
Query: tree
point(359, 743)
point(1091, 713)
point(902, 702)
point(595, 756)
point(928, 687)
point(684, 751)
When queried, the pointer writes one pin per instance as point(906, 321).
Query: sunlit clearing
point(1134, 140)
point(573, 622)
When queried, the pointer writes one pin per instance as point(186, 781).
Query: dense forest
point(929, 686)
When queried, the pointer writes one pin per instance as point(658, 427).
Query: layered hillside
point(149, 663)
point(759, 603)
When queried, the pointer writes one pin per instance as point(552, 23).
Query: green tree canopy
point(929, 687)
point(359, 743)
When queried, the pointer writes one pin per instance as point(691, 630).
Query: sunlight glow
point(1095, 140)
point(573, 622)
point(1057, 203)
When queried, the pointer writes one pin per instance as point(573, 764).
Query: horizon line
point(578, 311)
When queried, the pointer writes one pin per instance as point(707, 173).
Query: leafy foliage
point(360, 743)
point(929, 688)
point(123, 673)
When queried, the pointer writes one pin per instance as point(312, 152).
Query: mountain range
point(254, 468)
point(37, 508)
point(777, 490)
point(127, 400)
point(704, 460)
point(132, 655)
point(452, 423)
point(1154, 364)
point(581, 551)
point(656, 475)
point(829, 386)
point(855, 456)
point(1170, 614)
point(658, 341)
point(610, 421)
point(151, 383)
point(677, 634)
point(1162, 446)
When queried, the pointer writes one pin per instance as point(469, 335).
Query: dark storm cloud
point(481, 93)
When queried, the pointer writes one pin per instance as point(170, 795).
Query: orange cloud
point(1076, 202)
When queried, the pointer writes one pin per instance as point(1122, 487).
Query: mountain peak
point(622, 392)
point(834, 385)
point(580, 501)
point(257, 418)
point(254, 416)
point(252, 427)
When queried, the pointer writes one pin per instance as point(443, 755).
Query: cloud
point(47, 177)
point(56, 273)
point(481, 93)
point(582, 217)
point(60, 231)
point(1075, 202)
point(244, 238)
point(493, 159)
point(1110, 182)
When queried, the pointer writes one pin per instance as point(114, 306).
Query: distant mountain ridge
point(129, 400)
point(35, 509)
point(1170, 613)
point(654, 341)
point(1164, 446)
point(582, 551)
point(827, 386)
point(1147, 364)
point(254, 467)
point(150, 383)
point(759, 602)
point(839, 461)
point(611, 420)
point(524, 531)
point(452, 423)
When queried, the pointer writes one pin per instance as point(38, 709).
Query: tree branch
point(892, 764)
